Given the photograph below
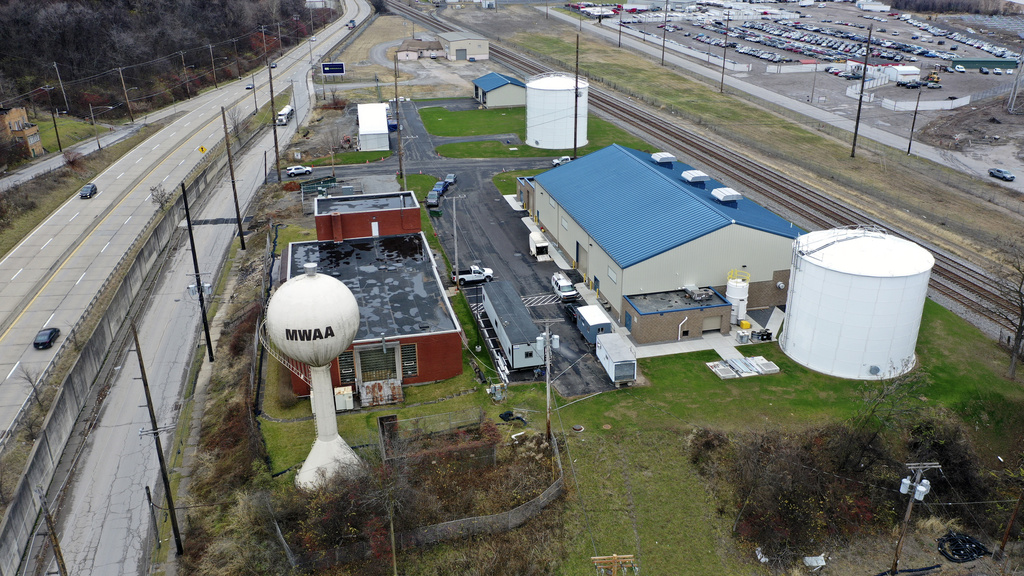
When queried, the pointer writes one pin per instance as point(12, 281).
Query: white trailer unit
point(616, 355)
point(373, 127)
point(539, 247)
point(513, 326)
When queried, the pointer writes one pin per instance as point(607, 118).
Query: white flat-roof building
point(373, 127)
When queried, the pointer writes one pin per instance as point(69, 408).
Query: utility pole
point(231, 168)
point(120, 72)
point(725, 49)
point(814, 80)
point(95, 133)
point(398, 120)
point(576, 103)
point(918, 489)
point(195, 266)
point(1006, 535)
point(213, 66)
point(620, 28)
point(664, 34)
point(860, 99)
point(273, 120)
point(51, 527)
point(188, 91)
point(455, 231)
point(256, 106)
point(549, 343)
point(55, 131)
point(67, 107)
point(913, 122)
point(156, 438)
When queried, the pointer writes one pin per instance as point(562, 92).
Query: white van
point(563, 288)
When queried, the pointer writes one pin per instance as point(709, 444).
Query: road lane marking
point(80, 278)
point(126, 221)
point(104, 247)
point(119, 176)
point(9, 374)
point(47, 244)
point(48, 319)
point(16, 274)
point(73, 217)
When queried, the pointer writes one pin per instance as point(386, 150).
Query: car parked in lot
point(88, 191)
point(45, 338)
point(451, 179)
point(959, 68)
point(298, 170)
point(997, 71)
point(433, 199)
point(1001, 174)
point(572, 313)
point(441, 187)
point(983, 70)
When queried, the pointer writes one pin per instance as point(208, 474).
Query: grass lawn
point(599, 133)
point(632, 488)
point(71, 130)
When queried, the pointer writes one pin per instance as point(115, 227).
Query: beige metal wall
point(705, 261)
point(506, 96)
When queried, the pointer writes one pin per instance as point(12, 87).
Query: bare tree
point(34, 418)
point(160, 196)
point(237, 121)
point(1010, 285)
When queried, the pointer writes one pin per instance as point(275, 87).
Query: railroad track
point(951, 278)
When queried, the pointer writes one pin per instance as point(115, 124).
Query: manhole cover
point(607, 426)
point(578, 428)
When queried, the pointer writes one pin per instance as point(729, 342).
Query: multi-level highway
point(52, 277)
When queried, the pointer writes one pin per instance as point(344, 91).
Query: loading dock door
point(460, 53)
point(712, 323)
point(581, 259)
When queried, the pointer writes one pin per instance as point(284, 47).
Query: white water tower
point(551, 101)
point(312, 319)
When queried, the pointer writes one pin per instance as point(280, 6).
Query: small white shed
point(903, 73)
point(617, 357)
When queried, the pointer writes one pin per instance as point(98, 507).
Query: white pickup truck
point(560, 161)
point(472, 274)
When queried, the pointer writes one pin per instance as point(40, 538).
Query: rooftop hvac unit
point(692, 176)
point(726, 195)
point(663, 158)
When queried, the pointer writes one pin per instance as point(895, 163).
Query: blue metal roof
point(494, 80)
point(636, 209)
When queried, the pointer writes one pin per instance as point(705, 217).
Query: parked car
point(451, 179)
point(1001, 174)
point(88, 191)
point(298, 170)
point(997, 71)
point(441, 186)
point(934, 85)
point(433, 199)
point(959, 68)
point(45, 338)
point(572, 313)
point(983, 70)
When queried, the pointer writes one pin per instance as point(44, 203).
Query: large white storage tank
point(855, 301)
point(550, 103)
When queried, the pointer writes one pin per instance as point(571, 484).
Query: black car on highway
point(46, 337)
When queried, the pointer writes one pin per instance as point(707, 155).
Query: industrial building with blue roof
point(645, 229)
point(496, 90)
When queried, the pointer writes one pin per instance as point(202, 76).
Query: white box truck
point(539, 247)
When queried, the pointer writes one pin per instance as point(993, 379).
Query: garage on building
point(659, 241)
point(499, 91)
point(464, 46)
point(414, 49)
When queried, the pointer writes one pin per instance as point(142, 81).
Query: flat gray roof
point(660, 302)
point(392, 278)
point(514, 317)
point(365, 203)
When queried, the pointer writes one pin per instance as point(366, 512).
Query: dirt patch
point(986, 125)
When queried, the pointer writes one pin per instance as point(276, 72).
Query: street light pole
point(188, 91)
point(213, 66)
point(94, 131)
point(120, 72)
point(67, 107)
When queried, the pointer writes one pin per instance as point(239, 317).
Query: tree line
point(992, 7)
point(146, 51)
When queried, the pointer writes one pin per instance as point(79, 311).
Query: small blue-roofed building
point(499, 91)
point(658, 240)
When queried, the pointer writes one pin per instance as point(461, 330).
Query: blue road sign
point(333, 67)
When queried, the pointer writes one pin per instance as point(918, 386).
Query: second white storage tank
point(855, 301)
point(551, 100)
